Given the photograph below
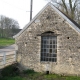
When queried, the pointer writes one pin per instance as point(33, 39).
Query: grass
point(6, 42)
point(12, 78)
point(10, 73)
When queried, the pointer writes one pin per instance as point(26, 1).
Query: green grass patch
point(12, 78)
point(51, 76)
point(72, 78)
point(6, 41)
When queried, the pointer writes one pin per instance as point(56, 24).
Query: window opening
point(49, 48)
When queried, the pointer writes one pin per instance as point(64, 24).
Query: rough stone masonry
point(68, 44)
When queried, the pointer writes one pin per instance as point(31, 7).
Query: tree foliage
point(7, 26)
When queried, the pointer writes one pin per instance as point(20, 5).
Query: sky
point(19, 9)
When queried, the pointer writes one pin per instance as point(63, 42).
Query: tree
point(7, 25)
point(69, 7)
point(2, 25)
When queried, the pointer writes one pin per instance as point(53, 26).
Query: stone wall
point(68, 44)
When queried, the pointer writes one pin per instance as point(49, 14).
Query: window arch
point(48, 47)
point(48, 33)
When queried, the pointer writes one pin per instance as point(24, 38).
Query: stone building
point(50, 42)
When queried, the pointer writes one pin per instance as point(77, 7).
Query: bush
point(10, 71)
point(29, 71)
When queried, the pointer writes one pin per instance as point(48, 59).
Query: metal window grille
point(49, 48)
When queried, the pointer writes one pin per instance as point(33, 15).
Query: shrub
point(29, 71)
point(10, 71)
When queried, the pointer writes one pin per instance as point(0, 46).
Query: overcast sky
point(19, 9)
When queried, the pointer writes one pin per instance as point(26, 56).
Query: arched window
point(48, 47)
